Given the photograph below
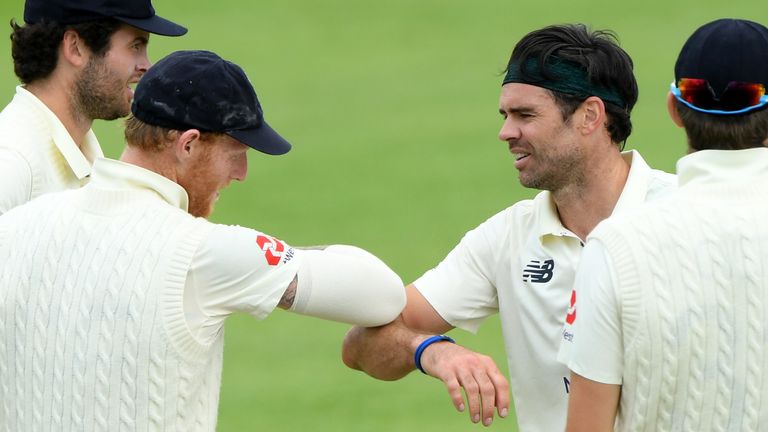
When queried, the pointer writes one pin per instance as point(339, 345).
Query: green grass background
point(392, 109)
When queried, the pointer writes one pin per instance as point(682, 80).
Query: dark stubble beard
point(100, 93)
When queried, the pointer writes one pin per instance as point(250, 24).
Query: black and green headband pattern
point(562, 76)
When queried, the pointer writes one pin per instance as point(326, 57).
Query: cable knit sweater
point(98, 340)
point(691, 283)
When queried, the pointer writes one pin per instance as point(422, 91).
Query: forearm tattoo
point(289, 295)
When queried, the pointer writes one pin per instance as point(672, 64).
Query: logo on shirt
point(538, 272)
point(570, 317)
point(272, 247)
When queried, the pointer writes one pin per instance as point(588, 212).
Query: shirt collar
point(632, 195)
point(718, 166)
point(79, 160)
point(114, 174)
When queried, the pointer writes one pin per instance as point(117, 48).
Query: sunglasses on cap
point(737, 98)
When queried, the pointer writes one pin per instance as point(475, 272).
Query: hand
point(485, 386)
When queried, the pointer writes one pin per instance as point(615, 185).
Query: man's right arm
point(387, 353)
point(15, 180)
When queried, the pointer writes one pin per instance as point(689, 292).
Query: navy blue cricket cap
point(137, 13)
point(200, 90)
point(725, 50)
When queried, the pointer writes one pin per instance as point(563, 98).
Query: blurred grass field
point(392, 110)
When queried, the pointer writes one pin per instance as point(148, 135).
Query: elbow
point(390, 300)
point(349, 354)
point(350, 285)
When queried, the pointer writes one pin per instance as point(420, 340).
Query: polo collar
point(632, 195)
point(720, 166)
point(115, 174)
point(79, 161)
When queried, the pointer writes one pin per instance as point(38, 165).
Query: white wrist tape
point(347, 284)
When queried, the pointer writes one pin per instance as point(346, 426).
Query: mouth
point(521, 159)
point(132, 85)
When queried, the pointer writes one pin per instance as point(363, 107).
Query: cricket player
point(672, 307)
point(565, 103)
point(77, 61)
point(115, 295)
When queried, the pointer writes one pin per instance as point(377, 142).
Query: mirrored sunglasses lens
point(741, 95)
point(697, 92)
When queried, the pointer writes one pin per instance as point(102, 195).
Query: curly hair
point(35, 47)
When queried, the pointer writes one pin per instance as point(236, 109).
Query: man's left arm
point(592, 405)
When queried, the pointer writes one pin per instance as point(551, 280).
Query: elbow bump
point(391, 299)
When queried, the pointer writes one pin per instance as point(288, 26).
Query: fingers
point(483, 395)
point(502, 392)
point(454, 391)
point(484, 386)
point(474, 400)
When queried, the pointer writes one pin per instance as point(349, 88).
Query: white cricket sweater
point(98, 340)
point(692, 288)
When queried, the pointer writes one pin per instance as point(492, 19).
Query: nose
point(240, 170)
point(143, 64)
point(509, 131)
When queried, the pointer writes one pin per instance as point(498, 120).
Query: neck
point(582, 206)
point(156, 162)
point(56, 94)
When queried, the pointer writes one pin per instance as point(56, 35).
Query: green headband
point(562, 76)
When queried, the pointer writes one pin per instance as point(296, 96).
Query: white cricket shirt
point(37, 154)
point(521, 263)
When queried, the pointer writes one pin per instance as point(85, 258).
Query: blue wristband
point(423, 345)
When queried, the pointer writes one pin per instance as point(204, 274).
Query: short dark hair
point(154, 139)
point(723, 132)
point(598, 52)
point(35, 47)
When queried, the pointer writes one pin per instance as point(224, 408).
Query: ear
point(73, 49)
point(672, 110)
point(187, 145)
point(592, 115)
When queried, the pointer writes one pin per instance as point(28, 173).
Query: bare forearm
point(384, 352)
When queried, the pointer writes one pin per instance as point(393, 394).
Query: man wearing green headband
point(565, 101)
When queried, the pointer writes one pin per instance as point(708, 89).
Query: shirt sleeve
point(236, 269)
point(462, 287)
point(15, 180)
point(597, 352)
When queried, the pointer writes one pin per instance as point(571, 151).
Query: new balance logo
point(538, 272)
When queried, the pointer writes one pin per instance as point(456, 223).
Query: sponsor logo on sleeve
point(570, 317)
point(539, 272)
point(273, 249)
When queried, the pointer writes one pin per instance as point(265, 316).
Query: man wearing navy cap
point(77, 61)
point(115, 294)
point(672, 312)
